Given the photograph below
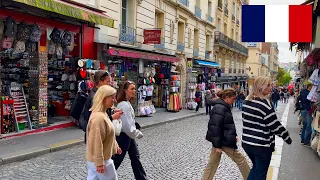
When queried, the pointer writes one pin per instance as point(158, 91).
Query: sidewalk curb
point(42, 150)
point(170, 120)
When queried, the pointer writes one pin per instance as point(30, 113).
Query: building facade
point(231, 54)
point(255, 62)
point(187, 28)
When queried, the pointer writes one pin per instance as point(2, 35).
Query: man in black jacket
point(100, 78)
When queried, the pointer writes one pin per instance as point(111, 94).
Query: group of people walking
point(260, 125)
point(104, 150)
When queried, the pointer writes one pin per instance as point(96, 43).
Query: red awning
point(142, 55)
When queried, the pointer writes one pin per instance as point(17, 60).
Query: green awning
point(71, 10)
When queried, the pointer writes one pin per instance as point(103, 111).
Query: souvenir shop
point(202, 74)
point(310, 73)
point(40, 68)
point(155, 75)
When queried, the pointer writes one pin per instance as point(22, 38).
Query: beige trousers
point(214, 161)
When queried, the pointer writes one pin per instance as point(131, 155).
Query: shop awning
point(71, 10)
point(207, 63)
point(141, 55)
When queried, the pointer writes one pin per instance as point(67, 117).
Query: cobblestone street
point(175, 151)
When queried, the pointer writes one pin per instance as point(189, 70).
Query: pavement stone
point(176, 150)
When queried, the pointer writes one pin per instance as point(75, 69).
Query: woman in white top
point(129, 131)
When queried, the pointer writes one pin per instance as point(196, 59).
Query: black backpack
point(24, 31)
point(298, 104)
point(77, 105)
point(10, 27)
point(55, 36)
point(66, 38)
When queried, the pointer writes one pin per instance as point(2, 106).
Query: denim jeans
point(275, 104)
point(208, 108)
point(240, 104)
point(306, 129)
point(260, 159)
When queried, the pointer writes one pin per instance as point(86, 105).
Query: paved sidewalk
point(29, 146)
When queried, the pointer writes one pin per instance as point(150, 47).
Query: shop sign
point(70, 10)
point(152, 36)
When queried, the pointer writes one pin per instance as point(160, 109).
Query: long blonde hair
point(103, 92)
point(260, 83)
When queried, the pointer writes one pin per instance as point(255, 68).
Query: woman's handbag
point(197, 99)
point(117, 126)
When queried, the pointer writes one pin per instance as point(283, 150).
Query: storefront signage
point(152, 36)
point(70, 10)
point(141, 55)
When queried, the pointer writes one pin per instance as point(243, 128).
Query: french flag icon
point(276, 23)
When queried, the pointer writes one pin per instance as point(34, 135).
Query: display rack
point(20, 107)
point(38, 97)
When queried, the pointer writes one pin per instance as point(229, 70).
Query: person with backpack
point(100, 78)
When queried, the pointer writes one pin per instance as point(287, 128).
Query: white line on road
point(276, 156)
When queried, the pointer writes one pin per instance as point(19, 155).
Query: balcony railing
point(197, 12)
point(210, 18)
point(180, 46)
point(207, 55)
point(233, 18)
point(221, 39)
point(161, 45)
point(220, 4)
point(237, 22)
point(127, 34)
point(195, 52)
point(184, 2)
point(226, 11)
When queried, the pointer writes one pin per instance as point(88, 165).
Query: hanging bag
point(10, 27)
point(35, 33)
point(24, 31)
point(117, 126)
point(55, 36)
point(66, 38)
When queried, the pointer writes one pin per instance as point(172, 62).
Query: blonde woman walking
point(260, 125)
point(223, 136)
point(101, 143)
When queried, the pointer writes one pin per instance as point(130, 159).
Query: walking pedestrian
point(242, 97)
point(306, 116)
point(208, 98)
point(100, 78)
point(275, 96)
point(260, 125)
point(198, 98)
point(223, 136)
point(129, 132)
point(281, 96)
point(101, 143)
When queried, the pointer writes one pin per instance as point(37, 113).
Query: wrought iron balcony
point(184, 2)
point(226, 11)
point(195, 52)
point(197, 12)
point(237, 22)
point(161, 45)
point(207, 55)
point(220, 4)
point(127, 34)
point(210, 18)
point(233, 18)
point(180, 46)
point(221, 39)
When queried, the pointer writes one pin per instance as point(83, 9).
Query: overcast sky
point(285, 55)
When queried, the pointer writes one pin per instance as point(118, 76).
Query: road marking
point(274, 167)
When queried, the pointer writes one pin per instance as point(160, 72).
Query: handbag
point(117, 126)
point(197, 99)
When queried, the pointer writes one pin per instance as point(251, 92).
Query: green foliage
point(283, 77)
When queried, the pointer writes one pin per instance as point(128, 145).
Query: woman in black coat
point(223, 136)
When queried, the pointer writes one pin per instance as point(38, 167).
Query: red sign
point(141, 55)
point(152, 36)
